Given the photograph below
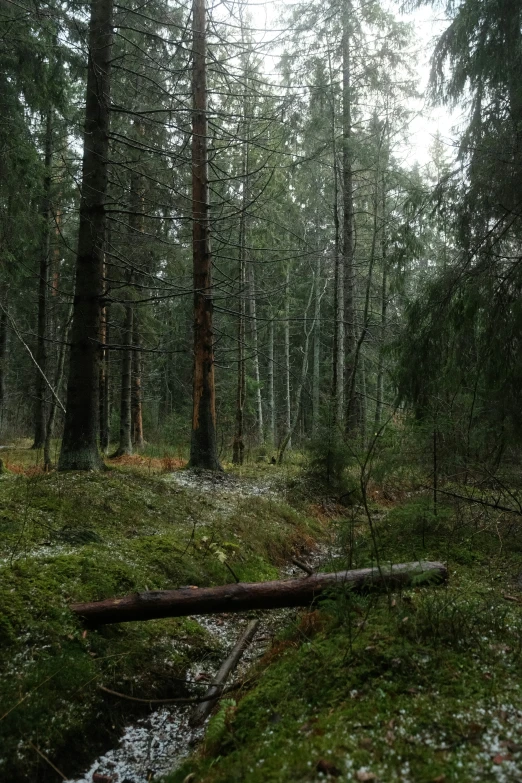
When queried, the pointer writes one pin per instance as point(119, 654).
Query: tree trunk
point(288, 402)
point(137, 224)
point(352, 417)
point(105, 382)
point(304, 371)
point(125, 445)
point(57, 384)
point(353, 392)
point(137, 398)
point(338, 337)
point(384, 309)
point(80, 439)
point(203, 446)
point(255, 346)
point(40, 406)
point(238, 448)
point(316, 372)
point(3, 364)
point(271, 389)
point(244, 597)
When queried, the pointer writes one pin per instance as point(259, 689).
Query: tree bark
point(57, 384)
point(40, 407)
point(80, 440)
point(288, 402)
point(352, 414)
point(316, 371)
point(258, 595)
point(338, 337)
point(3, 364)
point(137, 398)
point(304, 371)
point(105, 382)
point(271, 389)
point(238, 447)
point(203, 447)
point(125, 444)
point(255, 346)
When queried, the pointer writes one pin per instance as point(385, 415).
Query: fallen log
point(243, 597)
point(204, 709)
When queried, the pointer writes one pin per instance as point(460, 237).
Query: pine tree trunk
point(271, 389)
point(105, 382)
point(137, 224)
point(338, 337)
point(384, 314)
point(40, 406)
point(255, 345)
point(288, 402)
point(137, 399)
point(238, 448)
point(203, 447)
point(3, 364)
point(316, 372)
point(125, 445)
point(80, 439)
point(352, 413)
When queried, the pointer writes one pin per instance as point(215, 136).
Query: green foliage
point(331, 455)
point(219, 726)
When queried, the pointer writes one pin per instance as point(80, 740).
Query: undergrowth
point(72, 537)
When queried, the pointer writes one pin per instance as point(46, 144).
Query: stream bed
point(156, 744)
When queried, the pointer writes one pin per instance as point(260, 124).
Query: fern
point(218, 725)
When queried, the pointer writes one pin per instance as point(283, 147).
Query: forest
point(260, 391)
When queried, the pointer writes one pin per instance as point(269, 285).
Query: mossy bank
point(76, 537)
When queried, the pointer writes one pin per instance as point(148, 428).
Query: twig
point(30, 694)
point(496, 506)
point(303, 566)
point(47, 760)
point(179, 700)
point(44, 376)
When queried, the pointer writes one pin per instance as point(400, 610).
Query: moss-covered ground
point(422, 686)
point(73, 537)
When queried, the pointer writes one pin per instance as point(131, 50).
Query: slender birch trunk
point(308, 330)
point(40, 405)
point(60, 366)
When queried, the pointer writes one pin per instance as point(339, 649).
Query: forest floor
point(422, 686)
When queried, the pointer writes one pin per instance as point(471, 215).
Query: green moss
point(79, 537)
point(416, 686)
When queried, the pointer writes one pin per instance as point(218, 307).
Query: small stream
point(157, 744)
